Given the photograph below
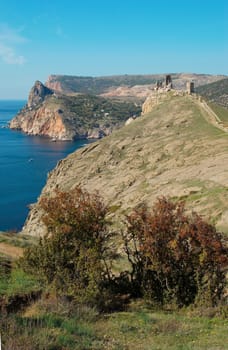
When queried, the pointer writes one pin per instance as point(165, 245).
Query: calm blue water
point(24, 164)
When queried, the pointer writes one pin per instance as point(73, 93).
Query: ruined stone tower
point(190, 87)
point(158, 85)
point(168, 82)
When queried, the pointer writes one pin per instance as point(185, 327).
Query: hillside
point(65, 117)
point(70, 107)
point(123, 85)
point(171, 150)
point(216, 92)
point(97, 85)
point(175, 148)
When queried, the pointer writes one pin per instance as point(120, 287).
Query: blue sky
point(98, 37)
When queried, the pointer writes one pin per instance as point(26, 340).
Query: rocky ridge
point(171, 150)
point(38, 93)
point(124, 86)
point(63, 117)
point(59, 111)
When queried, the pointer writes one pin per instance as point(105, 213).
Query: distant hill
point(172, 150)
point(216, 92)
point(97, 85)
point(123, 85)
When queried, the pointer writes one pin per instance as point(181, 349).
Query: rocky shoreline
point(66, 118)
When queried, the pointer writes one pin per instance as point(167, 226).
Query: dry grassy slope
point(8, 250)
point(172, 151)
point(216, 92)
point(12, 244)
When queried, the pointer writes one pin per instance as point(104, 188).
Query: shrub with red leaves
point(175, 257)
point(74, 255)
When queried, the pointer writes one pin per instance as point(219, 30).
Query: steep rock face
point(37, 94)
point(53, 84)
point(42, 121)
point(37, 119)
point(55, 124)
point(66, 117)
point(172, 150)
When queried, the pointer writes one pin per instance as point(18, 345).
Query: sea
point(25, 161)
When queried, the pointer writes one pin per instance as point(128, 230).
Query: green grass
point(49, 333)
point(211, 196)
point(138, 328)
point(200, 127)
point(159, 330)
point(54, 329)
point(18, 283)
point(221, 112)
point(91, 111)
point(215, 92)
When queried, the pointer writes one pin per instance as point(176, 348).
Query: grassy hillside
point(216, 92)
point(12, 244)
point(48, 325)
point(88, 111)
point(172, 151)
point(71, 117)
point(221, 112)
point(32, 318)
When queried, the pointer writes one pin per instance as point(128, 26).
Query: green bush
point(74, 256)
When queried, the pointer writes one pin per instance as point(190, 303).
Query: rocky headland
point(71, 107)
point(65, 117)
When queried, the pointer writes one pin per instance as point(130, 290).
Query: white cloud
point(9, 38)
point(12, 35)
point(9, 56)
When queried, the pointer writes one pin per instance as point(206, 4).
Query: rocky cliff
point(38, 94)
point(171, 150)
point(65, 117)
point(42, 121)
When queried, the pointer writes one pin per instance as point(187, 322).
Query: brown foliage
point(175, 256)
point(74, 255)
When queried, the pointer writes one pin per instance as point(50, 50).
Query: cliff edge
point(171, 150)
point(64, 117)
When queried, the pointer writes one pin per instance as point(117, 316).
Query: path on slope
point(210, 115)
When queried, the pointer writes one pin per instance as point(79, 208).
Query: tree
point(174, 256)
point(74, 254)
